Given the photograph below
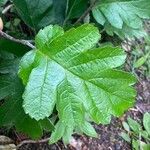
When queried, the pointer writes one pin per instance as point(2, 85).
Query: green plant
point(142, 57)
point(122, 17)
point(136, 135)
point(68, 78)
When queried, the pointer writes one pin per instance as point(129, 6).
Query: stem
point(32, 142)
point(86, 12)
point(24, 42)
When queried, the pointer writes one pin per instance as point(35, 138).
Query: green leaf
point(11, 113)
point(79, 79)
point(88, 129)
point(126, 126)
point(135, 144)
point(47, 124)
point(125, 137)
point(141, 60)
point(41, 13)
point(144, 134)
point(12, 47)
point(145, 146)
point(4, 55)
point(58, 132)
point(7, 65)
point(76, 8)
point(122, 15)
point(146, 122)
point(134, 125)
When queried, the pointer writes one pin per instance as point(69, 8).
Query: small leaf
point(136, 127)
point(125, 137)
point(126, 126)
point(16, 22)
point(141, 61)
point(76, 8)
point(146, 122)
point(13, 47)
point(88, 129)
point(58, 133)
point(135, 144)
point(3, 2)
point(6, 87)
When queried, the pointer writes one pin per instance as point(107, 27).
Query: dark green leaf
point(144, 134)
point(12, 47)
point(76, 8)
point(4, 55)
point(11, 111)
point(141, 60)
point(40, 13)
point(8, 66)
point(88, 129)
point(47, 124)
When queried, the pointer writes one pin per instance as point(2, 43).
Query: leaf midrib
point(80, 77)
point(42, 87)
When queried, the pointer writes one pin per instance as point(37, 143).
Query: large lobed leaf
point(81, 80)
point(122, 17)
